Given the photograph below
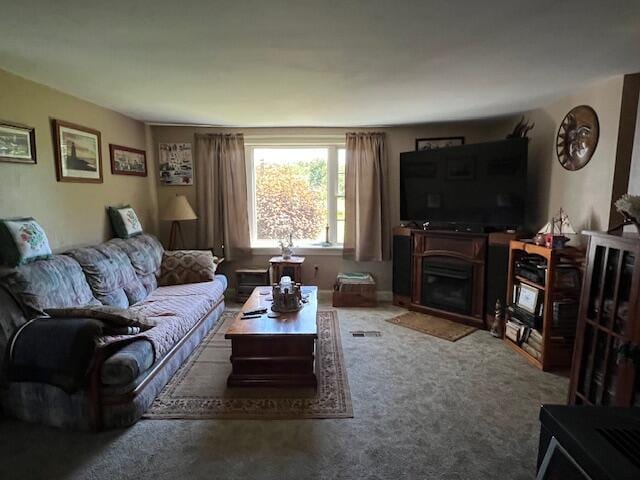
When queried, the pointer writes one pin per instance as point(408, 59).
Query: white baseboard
point(323, 295)
point(381, 295)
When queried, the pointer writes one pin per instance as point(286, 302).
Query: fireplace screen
point(446, 285)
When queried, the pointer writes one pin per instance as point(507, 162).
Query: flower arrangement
point(629, 207)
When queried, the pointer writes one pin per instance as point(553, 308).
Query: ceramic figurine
point(286, 251)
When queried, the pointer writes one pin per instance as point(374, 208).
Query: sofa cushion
point(211, 290)
point(110, 274)
point(56, 282)
point(124, 221)
point(187, 266)
point(22, 240)
point(123, 367)
point(173, 310)
point(145, 253)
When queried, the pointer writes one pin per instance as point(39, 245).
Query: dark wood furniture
point(274, 352)
point(464, 254)
point(291, 267)
point(247, 279)
point(482, 257)
point(606, 359)
point(589, 443)
point(401, 266)
point(557, 346)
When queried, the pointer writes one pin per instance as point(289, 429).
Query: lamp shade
point(178, 209)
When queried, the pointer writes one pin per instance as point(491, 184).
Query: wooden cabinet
point(556, 336)
point(290, 267)
point(607, 354)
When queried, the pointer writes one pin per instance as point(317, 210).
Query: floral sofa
point(122, 383)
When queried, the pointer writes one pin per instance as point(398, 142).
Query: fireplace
point(447, 277)
point(447, 285)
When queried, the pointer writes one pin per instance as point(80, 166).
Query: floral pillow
point(22, 240)
point(124, 221)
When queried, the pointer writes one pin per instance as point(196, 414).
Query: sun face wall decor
point(577, 137)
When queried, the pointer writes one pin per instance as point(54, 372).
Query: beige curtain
point(221, 185)
point(366, 235)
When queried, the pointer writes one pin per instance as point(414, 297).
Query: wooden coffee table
point(274, 352)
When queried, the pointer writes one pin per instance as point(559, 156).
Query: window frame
point(332, 143)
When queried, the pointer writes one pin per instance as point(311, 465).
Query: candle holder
point(287, 296)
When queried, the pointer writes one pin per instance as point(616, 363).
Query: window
point(297, 190)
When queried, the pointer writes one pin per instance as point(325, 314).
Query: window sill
point(301, 251)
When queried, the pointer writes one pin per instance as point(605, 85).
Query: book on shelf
point(513, 331)
point(531, 351)
point(535, 343)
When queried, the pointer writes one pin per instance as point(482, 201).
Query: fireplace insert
point(447, 285)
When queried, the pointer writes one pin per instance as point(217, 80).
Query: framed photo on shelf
point(526, 297)
point(128, 161)
point(77, 152)
point(438, 142)
point(17, 143)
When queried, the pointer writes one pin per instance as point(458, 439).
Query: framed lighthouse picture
point(77, 152)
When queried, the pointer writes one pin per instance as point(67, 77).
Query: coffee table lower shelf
point(272, 361)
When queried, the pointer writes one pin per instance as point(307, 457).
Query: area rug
point(438, 327)
point(199, 390)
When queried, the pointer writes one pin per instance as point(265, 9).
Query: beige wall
point(585, 194)
point(71, 213)
point(399, 139)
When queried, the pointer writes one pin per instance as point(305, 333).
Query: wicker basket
point(354, 290)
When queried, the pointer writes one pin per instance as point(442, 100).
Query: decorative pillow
point(115, 317)
point(124, 221)
point(22, 240)
point(187, 266)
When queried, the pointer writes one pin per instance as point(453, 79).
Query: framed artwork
point(128, 161)
point(527, 298)
point(77, 152)
point(176, 164)
point(17, 143)
point(438, 142)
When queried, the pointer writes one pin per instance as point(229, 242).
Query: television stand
point(450, 274)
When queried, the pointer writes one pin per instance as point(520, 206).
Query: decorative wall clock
point(577, 137)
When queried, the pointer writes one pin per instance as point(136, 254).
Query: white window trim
point(333, 143)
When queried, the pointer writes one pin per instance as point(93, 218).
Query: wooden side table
point(247, 279)
point(291, 267)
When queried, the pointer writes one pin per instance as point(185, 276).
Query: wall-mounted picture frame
point(176, 164)
point(77, 153)
point(438, 142)
point(17, 143)
point(527, 298)
point(127, 161)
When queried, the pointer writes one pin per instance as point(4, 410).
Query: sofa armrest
point(179, 267)
point(58, 352)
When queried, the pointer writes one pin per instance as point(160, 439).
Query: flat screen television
point(475, 186)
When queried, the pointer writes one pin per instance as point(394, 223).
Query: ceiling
point(318, 63)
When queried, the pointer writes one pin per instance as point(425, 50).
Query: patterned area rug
point(199, 390)
point(438, 327)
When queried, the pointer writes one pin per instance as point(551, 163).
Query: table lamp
point(177, 210)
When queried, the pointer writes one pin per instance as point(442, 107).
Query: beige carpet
point(438, 327)
point(199, 390)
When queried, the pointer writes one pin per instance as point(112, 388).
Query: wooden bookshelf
point(556, 350)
